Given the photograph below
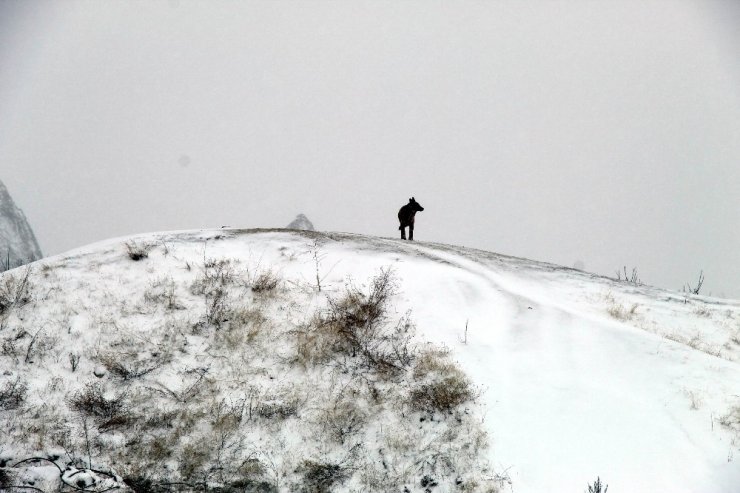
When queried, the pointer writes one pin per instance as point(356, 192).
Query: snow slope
point(581, 376)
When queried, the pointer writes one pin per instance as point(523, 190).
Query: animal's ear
point(411, 199)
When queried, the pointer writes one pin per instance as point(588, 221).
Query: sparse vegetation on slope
point(212, 378)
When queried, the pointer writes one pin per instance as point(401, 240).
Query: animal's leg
point(411, 232)
point(403, 232)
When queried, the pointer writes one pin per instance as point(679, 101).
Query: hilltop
point(275, 360)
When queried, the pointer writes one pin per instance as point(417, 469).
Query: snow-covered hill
point(200, 350)
point(18, 244)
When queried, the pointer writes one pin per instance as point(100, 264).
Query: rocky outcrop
point(301, 222)
point(18, 244)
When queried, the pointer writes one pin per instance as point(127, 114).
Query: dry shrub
point(280, 403)
point(195, 382)
point(137, 251)
point(265, 282)
point(736, 338)
point(342, 418)
point(314, 343)
point(251, 468)
point(620, 312)
point(213, 284)
point(245, 325)
point(225, 416)
point(7, 478)
point(193, 461)
point(433, 361)
point(92, 402)
point(355, 328)
point(157, 419)
point(442, 395)
point(163, 291)
point(129, 365)
point(320, 477)
point(50, 428)
point(249, 485)
point(39, 345)
point(703, 311)
point(15, 290)
point(217, 273)
point(159, 448)
point(440, 384)
point(276, 409)
point(731, 420)
point(139, 483)
point(12, 394)
point(9, 347)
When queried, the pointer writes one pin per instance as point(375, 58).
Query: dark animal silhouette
point(406, 217)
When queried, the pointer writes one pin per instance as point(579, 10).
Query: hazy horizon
point(594, 132)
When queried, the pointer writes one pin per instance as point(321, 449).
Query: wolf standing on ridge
point(406, 217)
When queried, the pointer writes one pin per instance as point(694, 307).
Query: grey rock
point(17, 241)
point(301, 222)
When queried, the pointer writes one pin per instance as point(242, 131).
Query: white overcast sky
point(601, 132)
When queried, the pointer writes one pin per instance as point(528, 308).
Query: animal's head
point(415, 205)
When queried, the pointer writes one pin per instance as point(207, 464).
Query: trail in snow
point(573, 395)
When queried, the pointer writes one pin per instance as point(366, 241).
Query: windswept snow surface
point(581, 376)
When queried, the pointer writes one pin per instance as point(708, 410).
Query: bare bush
point(250, 485)
point(442, 395)
point(597, 487)
point(217, 308)
point(703, 311)
point(12, 394)
point(245, 325)
point(130, 365)
point(697, 287)
point(342, 418)
point(11, 345)
point(631, 278)
point(355, 326)
point(620, 312)
point(137, 251)
point(15, 290)
point(314, 343)
point(193, 461)
point(276, 409)
point(265, 282)
point(140, 483)
point(216, 273)
point(39, 345)
point(440, 385)
point(7, 478)
point(74, 361)
point(731, 420)
point(163, 291)
point(213, 284)
point(195, 382)
point(433, 362)
point(320, 477)
point(280, 404)
point(91, 402)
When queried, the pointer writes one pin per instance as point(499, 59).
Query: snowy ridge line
point(576, 387)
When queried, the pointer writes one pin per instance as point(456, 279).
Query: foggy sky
point(600, 132)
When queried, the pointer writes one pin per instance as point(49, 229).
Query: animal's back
point(402, 216)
